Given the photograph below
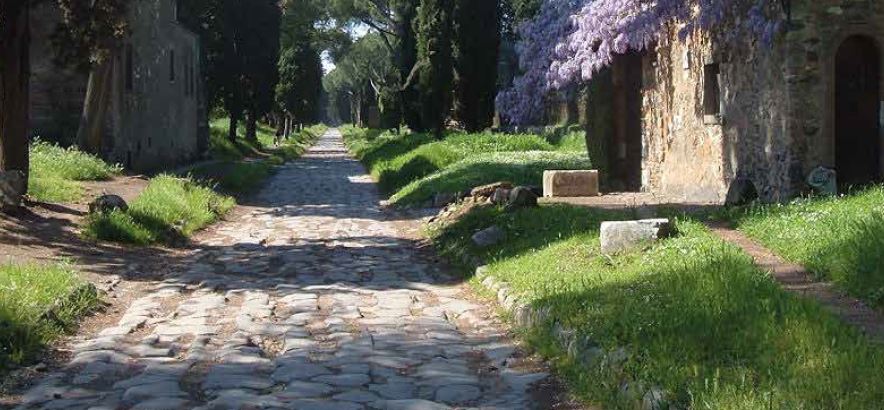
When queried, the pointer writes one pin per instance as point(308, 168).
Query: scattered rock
point(12, 185)
point(443, 199)
point(489, 237)
point(521, 197)
point(487, 191)
point(621, 236)
point(107, 204)
point(500, 196)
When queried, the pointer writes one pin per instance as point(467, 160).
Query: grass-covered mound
point(693, 315)
point(840, 238)
point(169, 210)
point(38, 303)
point(56, 172)
point(412, 168)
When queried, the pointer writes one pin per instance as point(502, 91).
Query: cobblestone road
point(315, 299)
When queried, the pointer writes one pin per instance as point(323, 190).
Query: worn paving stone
point(313, 297)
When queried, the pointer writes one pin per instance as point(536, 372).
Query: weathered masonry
point(156, 113)
point(694, 119)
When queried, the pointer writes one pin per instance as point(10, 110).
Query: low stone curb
point(580, 348)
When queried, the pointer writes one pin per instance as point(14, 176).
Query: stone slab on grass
point(570, 183)
point(619, 236)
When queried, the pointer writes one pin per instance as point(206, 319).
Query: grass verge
point(38, 303)
point(691, 315)
point(412, 168)
point(839, 239)
point(244, 165)
point(169, 210)
point(56, 172)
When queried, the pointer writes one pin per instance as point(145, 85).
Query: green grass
point(169, 210)
point(694, 315)
point(839, 239)
point(38, 303)
point(412, 168)
point(235, 174)
point(56, 172)
point(220, 147)
point(235, 177)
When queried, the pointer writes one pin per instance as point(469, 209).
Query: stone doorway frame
point(828, 64)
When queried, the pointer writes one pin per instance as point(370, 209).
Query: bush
point(169, 210)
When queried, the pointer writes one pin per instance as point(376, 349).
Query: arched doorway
point(857, 105)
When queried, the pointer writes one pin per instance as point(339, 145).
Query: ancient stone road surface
point(313, 300)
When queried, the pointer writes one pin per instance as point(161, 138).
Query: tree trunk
point(98, 96)
point(251, 127)
point(234, 124)
point(14, 97)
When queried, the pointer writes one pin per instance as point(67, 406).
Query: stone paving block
point(570, 183)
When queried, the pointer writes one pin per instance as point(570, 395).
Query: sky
point(357, 31)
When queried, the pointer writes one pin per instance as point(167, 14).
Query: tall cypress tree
point(476, 47)
point(406, 58)
point(434, 41)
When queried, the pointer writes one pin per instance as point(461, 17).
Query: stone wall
point(817, 31)
point(777, 117)
point(57, 92)
point(691, 156)
point(156, 119)
point(158, 108)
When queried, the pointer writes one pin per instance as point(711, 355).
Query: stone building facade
point(157, 113)
point(692, 120)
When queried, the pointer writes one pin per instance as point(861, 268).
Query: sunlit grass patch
point(55, 172)
point(169, 210)
point(37, 304)
point(412, 168)
point(520, 168)
point(840, 239)
point(692, 315)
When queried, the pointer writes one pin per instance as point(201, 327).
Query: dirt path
point(797, 279)
point(312, 297)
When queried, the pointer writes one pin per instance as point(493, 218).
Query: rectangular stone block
point(570, 183)
point(619, 236)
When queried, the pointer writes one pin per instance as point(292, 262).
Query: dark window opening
point(130, 68)
point(712, 93)
point(171, 65)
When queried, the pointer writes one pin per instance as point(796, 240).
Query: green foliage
point(434, 29)
point(407, 58)
point(56, 172)
point(169, 210)
point(300, 85)
point(365, 75)
point(692, 314)
point(476, 46)
point(414, 167)
point(840, 239)
point(37, 304)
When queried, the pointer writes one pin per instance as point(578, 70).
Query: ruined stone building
point(156, 115)
point(694, 119)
